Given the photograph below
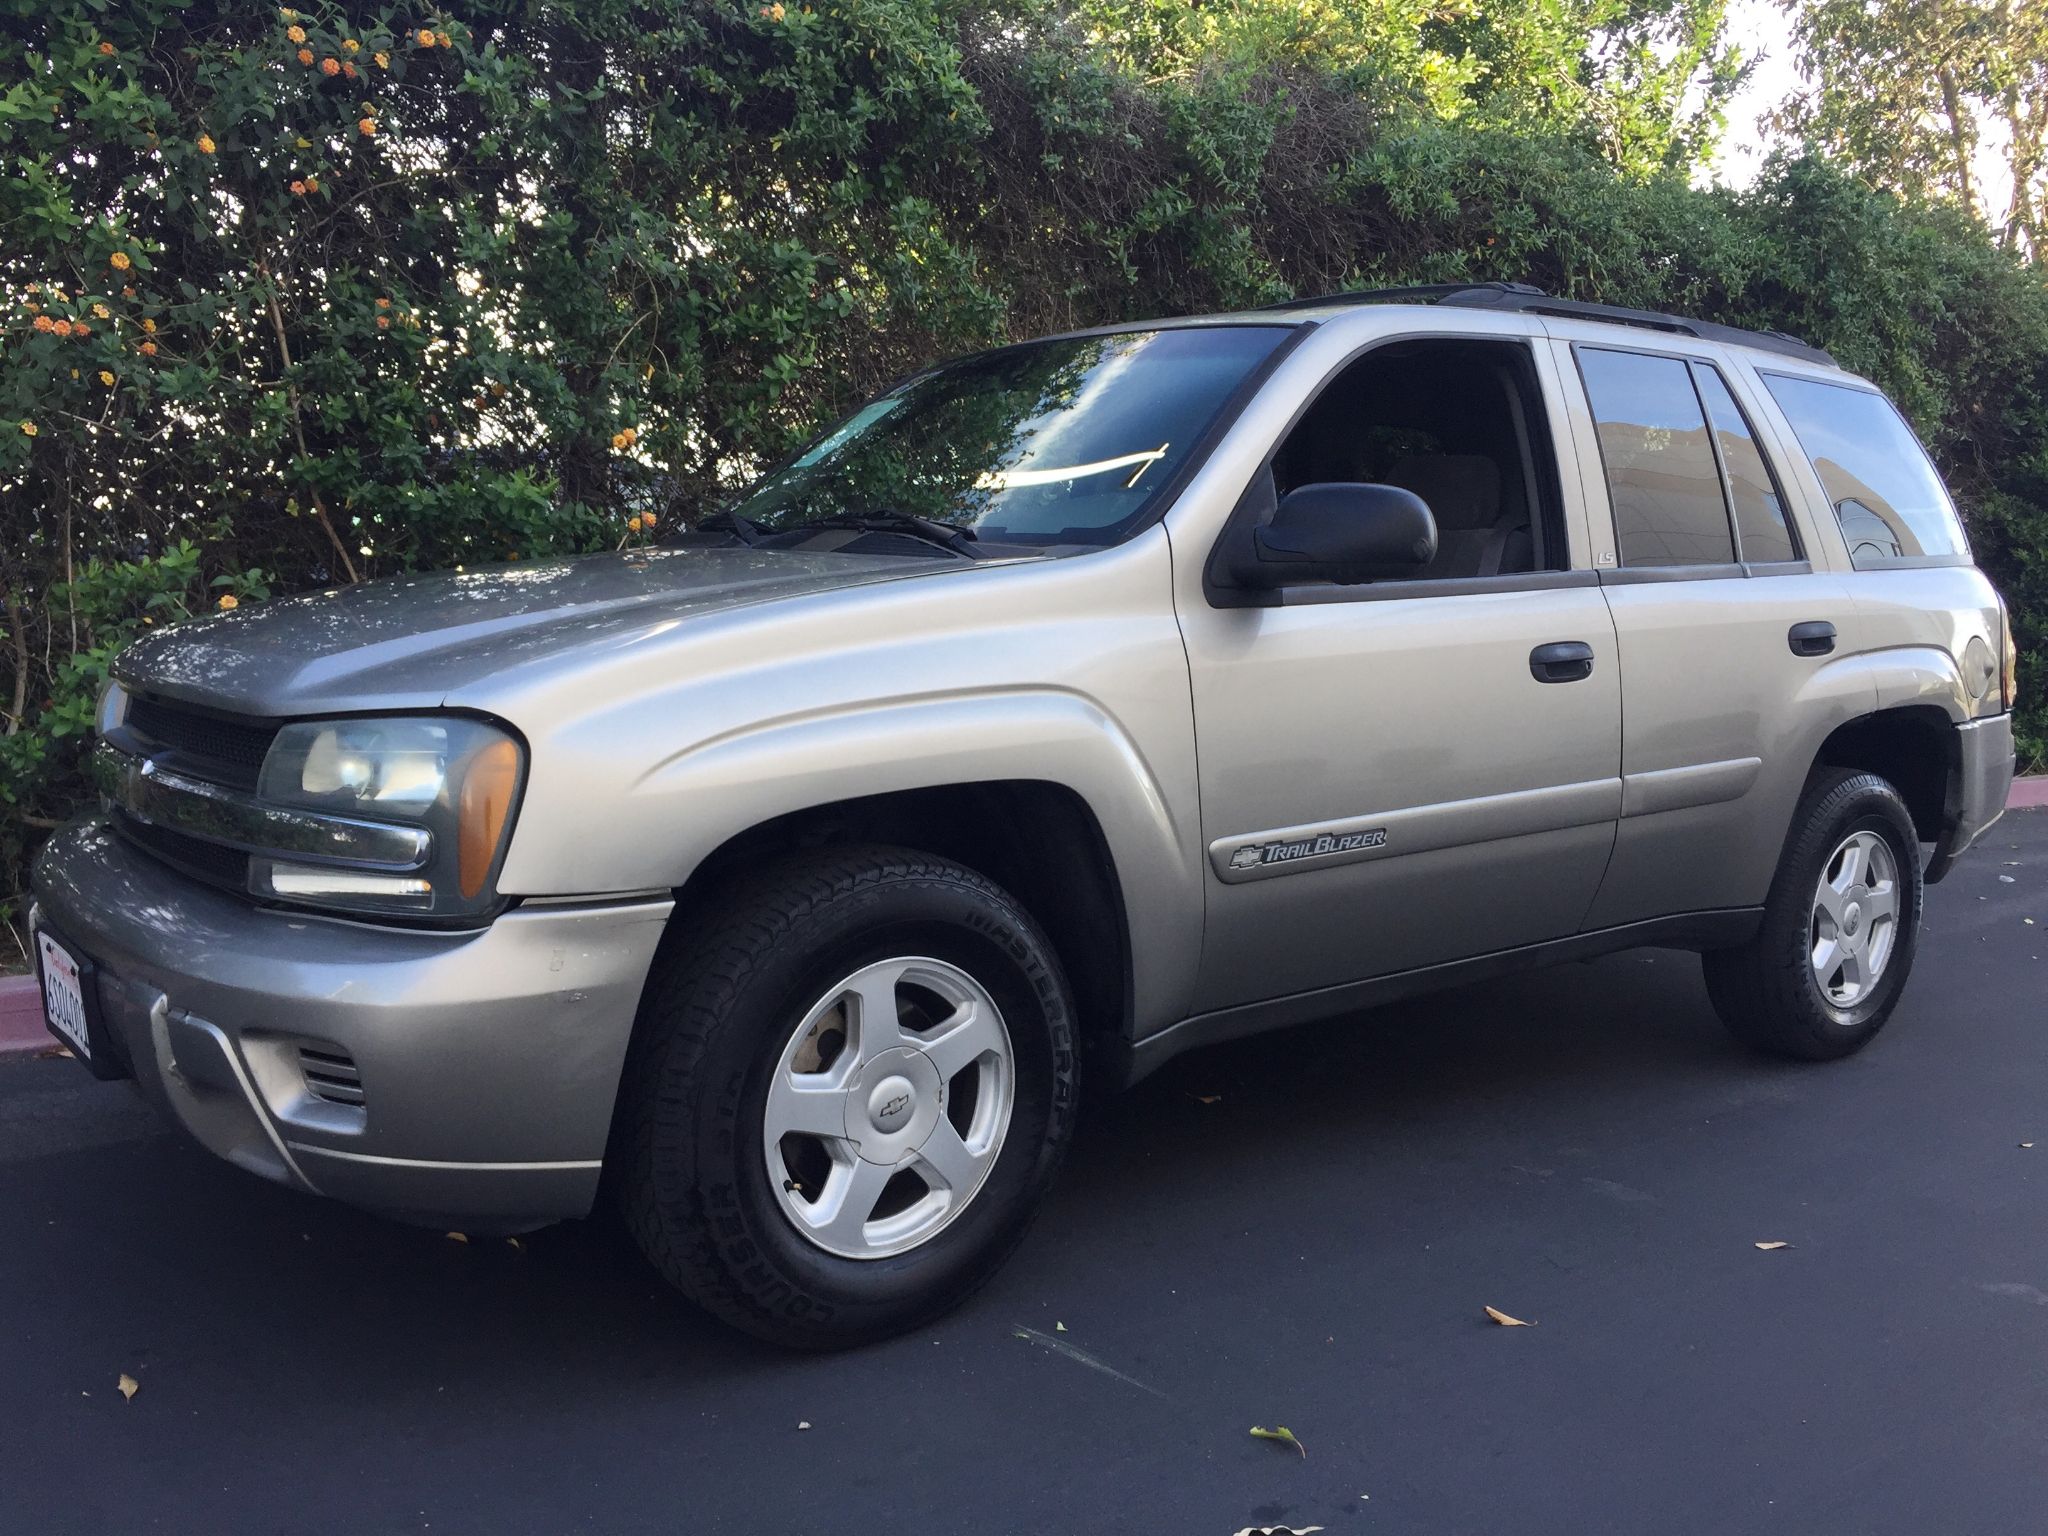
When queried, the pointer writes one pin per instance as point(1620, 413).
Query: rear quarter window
point(1892, 506)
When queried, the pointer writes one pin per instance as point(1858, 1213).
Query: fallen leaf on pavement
point(514, 1242)
point(1505, 1321)
point(129, 1385)
point(1206, 1098)
point(803, 1423)
point(1773, 1247)
point(2026, 1143)
point(1282, 1433)
point(1059, 1327)
point(458, 1237)
point(1278, 1530)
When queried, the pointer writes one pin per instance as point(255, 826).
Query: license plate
point(64, 995)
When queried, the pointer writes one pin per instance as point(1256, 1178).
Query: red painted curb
point(2028, 794)
point(22, 1031)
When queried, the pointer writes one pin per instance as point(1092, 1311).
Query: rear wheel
point(1839, 931)
point(847, 1097)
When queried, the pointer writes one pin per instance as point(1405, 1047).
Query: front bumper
point(488, 1061)
point(1978, 788)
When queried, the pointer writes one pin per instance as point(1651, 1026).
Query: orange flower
point(298, 189)
point(445, 40)
point(106, 50)
point(647, 518)
point(28, 429)
point(426, 37)
point(383, 60)
point(229, 602)
point(306, 57)
point(45, 323)
point(62, 327)
point(367, 127)
point(205, 143)
point(383, 303)
point(127, 293)
point(148, 349)
point(80, 328)
point(119, 260)
point(330, 67)
point(383, 322)
point(149, 326)
point(296, 34)
point(312, 185)
point(106, 378)
point(349, 70)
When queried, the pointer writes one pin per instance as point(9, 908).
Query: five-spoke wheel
point(888, 1107)
point(1855, 917)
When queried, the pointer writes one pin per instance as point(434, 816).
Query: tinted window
point(1063, 441)
point(1889, 500)
point(1759, 514)
point(1661, 476)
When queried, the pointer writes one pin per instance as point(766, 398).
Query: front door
point(1408, 772)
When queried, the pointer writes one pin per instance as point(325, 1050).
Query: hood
point(406, 642)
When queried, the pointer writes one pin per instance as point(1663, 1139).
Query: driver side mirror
point(1342, 532)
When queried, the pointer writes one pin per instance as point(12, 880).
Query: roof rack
point(1521, 298)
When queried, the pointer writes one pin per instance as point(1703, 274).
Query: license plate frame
point(66, 977)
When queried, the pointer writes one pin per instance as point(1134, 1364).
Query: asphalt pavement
point(1302, 1230)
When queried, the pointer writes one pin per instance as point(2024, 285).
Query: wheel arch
point(1039, 840)
point(1913, 746)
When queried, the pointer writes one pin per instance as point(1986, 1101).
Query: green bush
point(303, 297)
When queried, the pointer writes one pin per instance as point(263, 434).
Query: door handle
point(1816, 637)
point(1561, 661)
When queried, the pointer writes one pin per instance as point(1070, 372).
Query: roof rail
point(1521, 298)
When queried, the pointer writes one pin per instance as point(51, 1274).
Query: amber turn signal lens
point(487, 790)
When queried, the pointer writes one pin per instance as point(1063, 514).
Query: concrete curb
point(23, 1033)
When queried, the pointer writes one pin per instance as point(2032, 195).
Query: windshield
point(1053, 442)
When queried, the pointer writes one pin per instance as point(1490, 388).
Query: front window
point(1063, 442)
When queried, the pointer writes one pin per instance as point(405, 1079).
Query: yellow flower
point(28, 429)
point(119, 260)
point(102, 311)
point(106, 378)
point(383, 60)
point(206, 144)
point(446, 41)
point(350, 45)
point(149, 326)
point(426, 37)
point(229, 601)
point(633, 524)
point(296, 34)
point(774, 12)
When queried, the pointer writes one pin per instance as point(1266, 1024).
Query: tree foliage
point(305, 297)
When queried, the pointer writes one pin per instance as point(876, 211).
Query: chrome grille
point(217, 747)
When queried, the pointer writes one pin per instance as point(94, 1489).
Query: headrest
point(1462, 489)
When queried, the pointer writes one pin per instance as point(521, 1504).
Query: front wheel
point(847, 1096)
point(1839, 931)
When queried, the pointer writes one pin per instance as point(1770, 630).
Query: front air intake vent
point(331, 1075)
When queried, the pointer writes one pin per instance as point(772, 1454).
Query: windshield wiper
point(888, 520)
point(746, 532)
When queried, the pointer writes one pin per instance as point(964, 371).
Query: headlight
point(456, 778)
point(113, 709)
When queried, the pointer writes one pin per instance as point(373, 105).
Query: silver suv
point(1068, 706)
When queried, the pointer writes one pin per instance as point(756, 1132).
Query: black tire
point(1765, 991)
point(720, 1007)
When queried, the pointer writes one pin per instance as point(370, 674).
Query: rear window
point(1890, 502)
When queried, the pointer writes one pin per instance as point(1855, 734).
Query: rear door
point(1724, 621)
